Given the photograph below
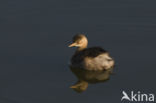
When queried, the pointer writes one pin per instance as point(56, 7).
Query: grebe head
point(79, 41)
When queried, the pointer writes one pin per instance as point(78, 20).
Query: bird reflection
point(86, 77)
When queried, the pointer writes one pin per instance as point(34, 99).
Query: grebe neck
point(81, 48)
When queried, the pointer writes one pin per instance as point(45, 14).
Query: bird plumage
point(94, 58)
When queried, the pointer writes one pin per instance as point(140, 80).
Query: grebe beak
point(72, 45)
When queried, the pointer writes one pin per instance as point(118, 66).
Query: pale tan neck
point(82, 48)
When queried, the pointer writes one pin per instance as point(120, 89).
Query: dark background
point(34, 53)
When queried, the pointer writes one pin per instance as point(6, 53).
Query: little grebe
point(94, 58)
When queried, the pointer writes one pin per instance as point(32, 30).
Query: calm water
point(34, 35)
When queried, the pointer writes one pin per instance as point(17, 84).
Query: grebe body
point(94, 58)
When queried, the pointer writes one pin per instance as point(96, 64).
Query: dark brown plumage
point(87, 52)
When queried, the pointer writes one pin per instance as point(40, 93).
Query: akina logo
point(137, 97)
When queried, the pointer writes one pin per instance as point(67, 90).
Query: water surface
point(34, 35)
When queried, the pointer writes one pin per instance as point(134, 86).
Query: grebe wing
point(93, 51)
point(100, 62)
point(94, 58)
